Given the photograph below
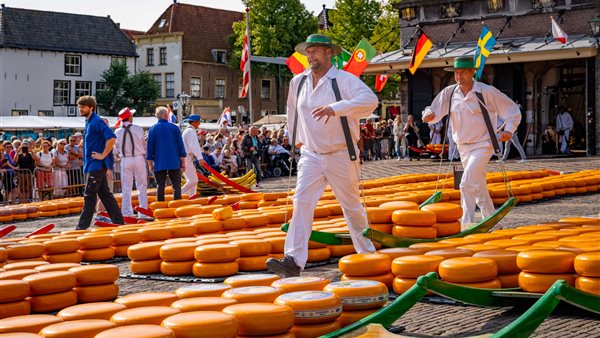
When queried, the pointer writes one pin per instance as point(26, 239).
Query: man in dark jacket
point(252, 151)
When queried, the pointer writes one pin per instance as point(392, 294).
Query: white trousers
point(513, 140)
point(191, 178)
point(315, 171)
point(473, 186)
point(133, 168)
point(564, 142)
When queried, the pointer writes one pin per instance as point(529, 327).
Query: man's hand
point(97, 156)
point(505, 136)
point(324, 111)
point(428, 116)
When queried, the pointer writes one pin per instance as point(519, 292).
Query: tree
point(352, 20)
point(141, 90)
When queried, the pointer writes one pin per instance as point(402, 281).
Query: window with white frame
point(19, 112)
point(170, 84)
point(158, 80)
point(196, 86)
point(220, 55)
point(73, 65)
point(100, 87)
point(61, 92)
point(82, 88)
point(265, 89)
point(150, 57)
point(119, 59)
point(162, 54)
point(45, 112)
point(220, 86)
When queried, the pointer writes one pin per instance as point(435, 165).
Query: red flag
point(558, 33)
point(421, 49)
point(380, 81)
point(245, 65)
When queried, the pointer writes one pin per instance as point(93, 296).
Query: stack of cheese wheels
point(26, 324)
point(51, 291)
point(154, 232)
point(360, 298)
point(145, 257)
point(77, 328)
point(25, 252)
point(253, 254)
point(261, 319)
point(12, 298)
point(318, 252)
point(255, 279)
point(100, 310)
point(96, 283)
point(202, 304)
point(414, 224)
point(96, 246)
point(470, 271)
point(177, 258)
point(137, 331)
point(541, 268)
point(305, 283)
point(447, 218)
point(506, 261)
point(371, 266)
point(122, 240)
point(62, 250)
point(253, 294)
point(152, 315)
point(216, 260)
point(202, 324)
point(407, 269)
point(315, 312)
point(587, 265)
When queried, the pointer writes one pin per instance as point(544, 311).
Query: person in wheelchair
point(279, 158)
point(208, 158)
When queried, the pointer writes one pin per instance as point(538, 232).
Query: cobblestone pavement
point(428, 319)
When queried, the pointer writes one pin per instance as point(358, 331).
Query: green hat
point(462, 62)
point(318, 40)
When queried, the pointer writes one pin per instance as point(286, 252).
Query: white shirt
point(358, 101)
point(278, 149)
point(564, 121)
point(139, 143)
point(468, 125)
point(190, 141)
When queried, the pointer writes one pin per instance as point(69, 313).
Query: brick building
point(527, 63)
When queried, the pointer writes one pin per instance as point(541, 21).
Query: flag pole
point(250, 111)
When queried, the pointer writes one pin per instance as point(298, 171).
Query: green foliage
point(276, 27)
point(352, 20)
point(386, 37)
point(136, 91)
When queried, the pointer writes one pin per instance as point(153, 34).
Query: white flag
point(558, 33)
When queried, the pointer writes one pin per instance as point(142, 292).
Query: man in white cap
point(194, 153)
point(324, 109)
point(130, 147)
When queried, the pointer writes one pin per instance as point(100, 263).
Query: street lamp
point(408, 13)
point(184, 99)
point(595, 28)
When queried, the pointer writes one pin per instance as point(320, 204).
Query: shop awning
point(514, 50)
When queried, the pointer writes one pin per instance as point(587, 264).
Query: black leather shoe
point(286, 266)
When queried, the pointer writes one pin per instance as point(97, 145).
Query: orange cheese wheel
point(13, 290)
point(141, 299)
point(164, 213)
point(259, 279)
point(44, 283)
point(534, 238)
point(401, 252)
point(541, 282)
point(97, 293)
point(447, 228)
point(456, 242)
point(72, 257)
point(182, 268)
point(277, 244)
point(430, 246)
point(145, 251)
point(138, 331)
point(444, 212)
point(314, 330)
point(59, 246)
point(486, 237)
point(53, 302)
point(126, 237)
point(77, 328)
point(202, 290)
point(468, 269)
point(379, 215)
point(428, 232)
point(400, 205)
point(12, 309)
point(24, 265)
point(507, 243)
point(202, 324)
point(360, 294)
point(386, 279)
point(308, 283)
point(349, 317)
point(415, 266)
point(22, 251)
point(208, 270)
point(154, 233)
point(341, 250)
point(509, 281)
point(217, 253)
point(203, 304)
point(176, 252)
point(401, 284)
point(588, 264)
point(509, 233)
point(479, 247)
point(233, 223)
point(587, 284)
point(153, 315)
point(17, 274)
point(318, 255)
point(261, 319)
point(253, 247)
point(367, 264)
point(180, 203)
point(506, 260)
point(253, 294)
point(120, 250)
point(489, 284)
point(189, 210)
point(27, 323)
point(450, 253)
point(311, 307)
point(413, 218)
point(253, 263)
point(97, 255)
point(96, 274)
point(181, 240)
point(94, 242)
point(254, 221)
point(145, 267)
point(100, 310)
point(181, 230)
point(546, 261)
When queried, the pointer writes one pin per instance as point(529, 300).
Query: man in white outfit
point(470, 132)
point(325, 156)
point(564, 126)
point(130, 147)
point(193, 151)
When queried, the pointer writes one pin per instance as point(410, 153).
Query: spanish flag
point(421, 49)
point(297, 63)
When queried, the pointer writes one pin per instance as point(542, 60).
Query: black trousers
point(161, 178)
point(96, 186)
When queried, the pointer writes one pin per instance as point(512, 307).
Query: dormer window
point(162, 23)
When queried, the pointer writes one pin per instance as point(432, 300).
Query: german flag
point(421, 49)
point(297, 63)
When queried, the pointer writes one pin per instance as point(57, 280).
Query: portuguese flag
point(359, 60)
point(421, 49)
point(297, 63)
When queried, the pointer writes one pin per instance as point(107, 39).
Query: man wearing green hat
point(324, 108)
point(464, 102)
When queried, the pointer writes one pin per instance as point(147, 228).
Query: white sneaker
point(522, 161)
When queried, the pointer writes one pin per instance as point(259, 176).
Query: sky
point(137, 14)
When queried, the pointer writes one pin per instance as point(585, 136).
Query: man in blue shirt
point(166, 154)
point(98, 142)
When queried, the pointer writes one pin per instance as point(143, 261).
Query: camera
point(25, 150)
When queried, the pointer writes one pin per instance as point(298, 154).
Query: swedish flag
point(485, 45)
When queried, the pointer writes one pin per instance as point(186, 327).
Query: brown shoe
point(286, 266)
